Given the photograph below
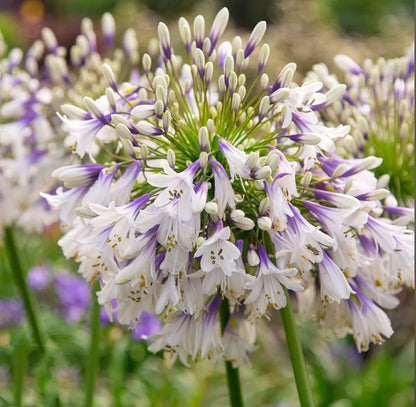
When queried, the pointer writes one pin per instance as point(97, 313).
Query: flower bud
point(252, 257)
point(147, 63)
point(164, 39)
point(232, 82)
point(171, 157)
point(347, 64)
point(203, 160)
point(235, 105)
point(130, 44)
point(383, 181)
point(263, 57)
point(144, 151)
point(228, 66)
point(166, 119)
point(199, 59)
point(255, 37)
point(199, 30)
point(209, 70)
point(264, 223)
point(159, 108)
point(306, 179)
point(110, 95)
point(264, 81)
point(264, 206)
point(110, 77)
point(264, 107)
point(93, 108)
point(211, 126)
point(211, 208)
point(49, 38)
point(218, 27)
point(203, 138)
point(236, 44)
point(108, 27)
point(185, 33)
point(262, 173)
point(252, 160)
point(237, 215)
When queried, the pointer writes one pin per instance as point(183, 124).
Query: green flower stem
point(20, 356)
point(233, 378)
point(94, 350)
point(20, 281)
point(296, 355)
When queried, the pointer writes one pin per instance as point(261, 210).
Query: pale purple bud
point(255, 37)
point(236, 101)
point(224, 50)
point(203, 138)
point(142, 112)
point(347, 64)
point(199, 31)
point(376, 195)
point(164, 39)
point(218, 27)
point(110, 77)
point(263, 57)
point(77, 175)
point(109, 27)
point(148, 129)
point(264, 107)
point(15, 57)
point(185, 33)
point(306, 138)
point(49, 39)
point(199, 60)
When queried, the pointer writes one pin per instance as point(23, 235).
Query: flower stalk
point(296, 356)
point(20, 281)
point(233, 377)
point(94, 350)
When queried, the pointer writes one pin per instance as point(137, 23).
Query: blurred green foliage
point(10, 30)
point(169, 8)
point(364, 17)
point(89, 8)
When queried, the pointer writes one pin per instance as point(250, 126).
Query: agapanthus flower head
point(209, 188)
point(378, 104)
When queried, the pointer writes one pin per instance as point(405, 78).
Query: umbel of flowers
point(379, 106)
point(201, 188)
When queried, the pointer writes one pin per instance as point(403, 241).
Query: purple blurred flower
point(38, 278)
point(74, 296)
point(11, 313)
point(148, 325)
